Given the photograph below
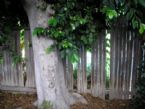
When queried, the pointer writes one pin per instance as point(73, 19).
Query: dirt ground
point(25, 101)
point(98, 103)
point(14, 101)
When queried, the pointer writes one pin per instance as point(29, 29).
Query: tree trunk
point(49, 72)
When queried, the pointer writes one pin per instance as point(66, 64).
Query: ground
point(98, 103)
point(15, 100)
point(25, 101)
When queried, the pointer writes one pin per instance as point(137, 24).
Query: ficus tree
point(59, 28)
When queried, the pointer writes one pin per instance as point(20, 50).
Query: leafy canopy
point(76, 23)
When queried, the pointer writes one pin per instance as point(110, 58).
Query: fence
point(19, 76)
point(119, 82)
point(124, 59)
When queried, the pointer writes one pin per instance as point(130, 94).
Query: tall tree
point(48, 67)
point(49, 70)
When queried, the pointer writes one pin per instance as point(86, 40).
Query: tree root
point(78, 98)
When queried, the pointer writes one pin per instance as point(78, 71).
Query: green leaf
point(73, 58)
point(111, 14)
point(17, 59)
point(50, 49)
point(142, 28)
point(38, 31)
point(1, 59)
point(46, 105)
point(84, 39)
point(66, 44)
point(130, 14)
point(52, 21)
point(73, 26)
point(57, 34)
point(82, 21)
point(135, 23)
point(141, 2)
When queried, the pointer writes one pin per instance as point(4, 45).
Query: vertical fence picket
point(116, 67)
point(120, 63)
point(94, 69)
point(70, 67)
point(79, 77)
point(12, 72)
point(129, 63)
point(123, 63)
point(19, 65)
point(132, 65)
point(123, 66)
point(112, 66)
point(103, 71)
point(82, 76)
point(65, 70)
point(98, 67)
point(28, 75)
point(83, 65)
point(5, 68)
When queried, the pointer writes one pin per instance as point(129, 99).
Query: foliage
point(16, 58)
point(10, 13)
point(1, 59)
point(7, 46)
point(76, 23)
point(110, 13)
point(9, 23)
point(72, 27)
point(139, 98)
point(22, 38)
point(142, 28)
point(46, 105)
point(39, 31)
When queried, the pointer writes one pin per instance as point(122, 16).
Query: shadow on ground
point(25, 101)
